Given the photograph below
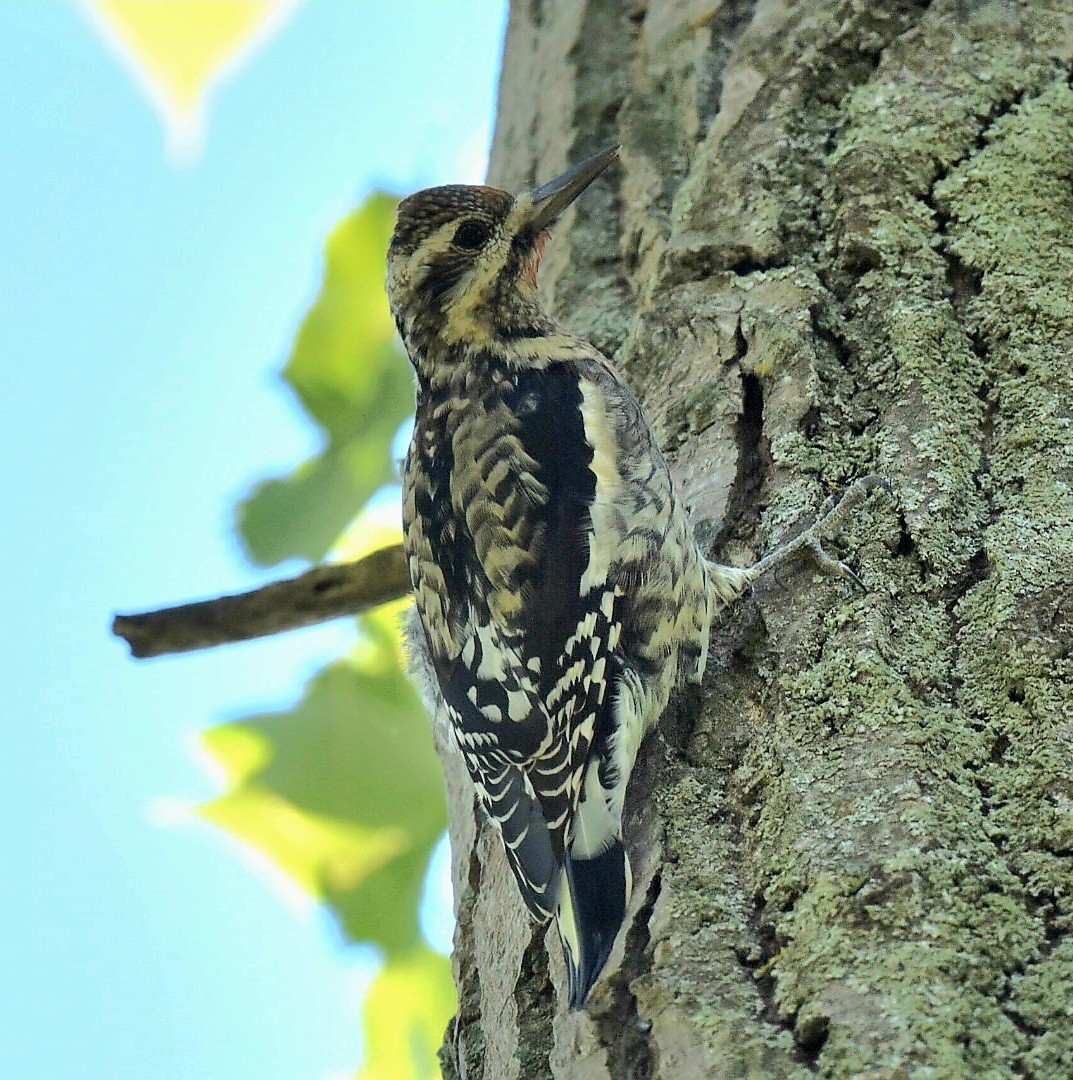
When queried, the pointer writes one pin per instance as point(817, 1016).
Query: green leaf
point(344, 792)
point(352, 378)
point(406, 1012)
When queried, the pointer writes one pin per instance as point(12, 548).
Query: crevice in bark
point(744, 504)
point(759, 951)
point(906, 545)
point(811, 1037)
point(758, 965)
point(859, 414)
point(985, 128)
point(704, 263)
point(726, 25)
point(534, 1000)
point(964, 284)
point(758, 962)
point(1041, 906)
point(978, 570)
point(747, 265)
point(679, 720)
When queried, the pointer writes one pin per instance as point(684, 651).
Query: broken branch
point(320, 594)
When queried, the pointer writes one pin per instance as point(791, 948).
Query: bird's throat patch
point(532, 261)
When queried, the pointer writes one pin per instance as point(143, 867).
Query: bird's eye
point(471, 235)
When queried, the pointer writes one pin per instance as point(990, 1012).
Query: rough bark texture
point(841, 242)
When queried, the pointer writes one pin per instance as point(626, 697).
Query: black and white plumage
point(559, 591)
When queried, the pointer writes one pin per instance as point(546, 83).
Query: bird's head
point(462, 264)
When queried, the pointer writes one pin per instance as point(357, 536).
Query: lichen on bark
point(841, 242)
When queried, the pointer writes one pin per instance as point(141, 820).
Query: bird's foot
point(833, 512)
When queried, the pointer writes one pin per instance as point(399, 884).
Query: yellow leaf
point(178, 48)
point(406, 1014)
point(321, 855)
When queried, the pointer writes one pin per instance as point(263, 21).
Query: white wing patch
point(604, 536)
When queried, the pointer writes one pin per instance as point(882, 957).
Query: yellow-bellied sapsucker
point(559, 590)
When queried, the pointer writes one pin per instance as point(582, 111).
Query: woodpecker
point(560, 594)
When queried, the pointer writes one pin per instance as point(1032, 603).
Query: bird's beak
point(549, 201)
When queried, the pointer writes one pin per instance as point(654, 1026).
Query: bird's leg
point(730, 581)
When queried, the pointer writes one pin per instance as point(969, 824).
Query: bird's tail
point(596, 890)
point(590, 913)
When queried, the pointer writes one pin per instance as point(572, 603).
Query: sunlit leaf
point(313, 851)
point(351, 377)
point(179, 48)
point(406, 1013)
point(344, 792)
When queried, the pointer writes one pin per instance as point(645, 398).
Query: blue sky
point(145, 309)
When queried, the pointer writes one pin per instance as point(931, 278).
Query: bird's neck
point(513, 338)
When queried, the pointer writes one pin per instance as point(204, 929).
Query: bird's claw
point(832, 565)
point(832, 513)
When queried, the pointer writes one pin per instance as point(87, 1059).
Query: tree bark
point(840, 242)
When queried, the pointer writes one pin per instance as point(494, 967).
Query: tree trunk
point(840, 242)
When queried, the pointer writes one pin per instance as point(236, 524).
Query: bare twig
point(320, 594)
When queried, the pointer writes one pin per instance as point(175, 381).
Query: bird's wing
point(530, 683)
